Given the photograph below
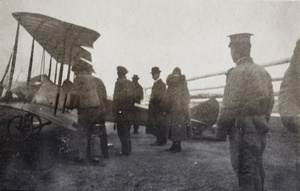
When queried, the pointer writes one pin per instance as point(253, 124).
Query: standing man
point(89, 96)
point(247, 104)
point(138, 95)
point(123, 105)
point(156, 117)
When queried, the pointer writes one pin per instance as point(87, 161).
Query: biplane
point(26, 107)
point(40, 101)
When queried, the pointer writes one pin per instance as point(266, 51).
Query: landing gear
point(21, 127)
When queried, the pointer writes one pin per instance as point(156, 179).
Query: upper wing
point(62, 40)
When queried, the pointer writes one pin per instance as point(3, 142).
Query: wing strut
point(61, 70)
point(55, 75)
point(4, 75)
point(50, 67)
point(30, 63)
point(13, 64)
point(68, 80)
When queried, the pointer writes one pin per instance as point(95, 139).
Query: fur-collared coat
point(176, 101)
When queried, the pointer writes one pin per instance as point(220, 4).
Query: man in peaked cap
point(138, 95)
point(88, 95)
point(247, 104)
point(121, 70)
point(123, 105)
point(156, 116)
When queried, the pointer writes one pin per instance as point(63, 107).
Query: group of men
point(89, 97)
point(245, 111)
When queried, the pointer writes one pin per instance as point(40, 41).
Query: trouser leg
point(124, 135)
point(103, 140)
point(261, 181)
point(89, 146)
point(135, 128)
point(83, 141)
point(251, 173)
point(161, 134)
point(246, 151)
point(80, 144)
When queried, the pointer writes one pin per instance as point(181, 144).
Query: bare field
point(46, 163)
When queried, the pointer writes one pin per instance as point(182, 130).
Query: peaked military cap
point(155, 70)
point(122, 70)
point(239, 38)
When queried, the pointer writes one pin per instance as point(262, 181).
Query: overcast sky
point(140, 34)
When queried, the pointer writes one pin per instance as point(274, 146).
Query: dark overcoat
point(156, 107)
point(123, 101)
point(138, 93)
point(176, 101)
point(156, 117)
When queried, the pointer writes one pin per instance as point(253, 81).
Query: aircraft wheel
point(36, 122)
point(19, 128)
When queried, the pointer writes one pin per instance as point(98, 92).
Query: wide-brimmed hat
point(135, 77)
point(83, 66)
point(155, 70)
point(122, 70)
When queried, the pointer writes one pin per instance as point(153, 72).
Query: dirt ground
point(46, 163)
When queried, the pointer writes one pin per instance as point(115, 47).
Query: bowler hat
point(155, 70)
point(122, 70)
point(240, 38)
point(135, 77)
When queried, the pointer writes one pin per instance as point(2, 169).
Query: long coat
point(156, 107)
point(156, 117)
point(176, 101)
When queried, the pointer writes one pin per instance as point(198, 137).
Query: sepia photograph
point(145, 95)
